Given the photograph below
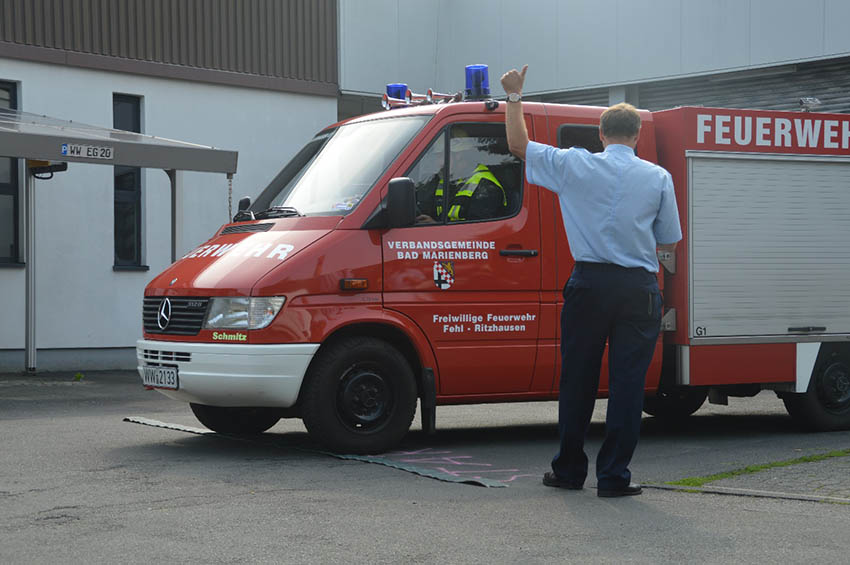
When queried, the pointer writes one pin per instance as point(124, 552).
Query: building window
point(8, 187)
point(126, 115)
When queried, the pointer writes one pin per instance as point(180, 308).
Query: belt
point(586, 266)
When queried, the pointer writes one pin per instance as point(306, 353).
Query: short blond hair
point(620, 121)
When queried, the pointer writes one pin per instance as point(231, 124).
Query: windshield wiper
point(278, 212)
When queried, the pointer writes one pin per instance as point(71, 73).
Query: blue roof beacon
point(477, 82)
point(397, 91)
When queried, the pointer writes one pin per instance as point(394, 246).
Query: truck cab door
point(468, 272)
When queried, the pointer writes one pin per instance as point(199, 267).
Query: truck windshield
point(335, 171)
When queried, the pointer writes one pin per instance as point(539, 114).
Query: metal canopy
point(35, 137)
point(31, 136)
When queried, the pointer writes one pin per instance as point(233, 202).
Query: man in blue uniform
point(617, 211)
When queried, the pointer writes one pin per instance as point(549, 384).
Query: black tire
point(676, 403)
point(359, 396)
point(242, 421)
point(825, 406)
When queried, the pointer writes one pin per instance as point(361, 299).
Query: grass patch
point(700, 481)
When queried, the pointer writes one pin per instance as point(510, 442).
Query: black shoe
point(550, 479)
point(630, 490)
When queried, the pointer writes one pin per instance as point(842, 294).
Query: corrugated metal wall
point(589, 97)
point(293, 39)
point(772, 88)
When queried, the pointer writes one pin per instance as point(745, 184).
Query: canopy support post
point(29, 250)
point(176, 207)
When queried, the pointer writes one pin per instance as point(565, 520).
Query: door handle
point(518, 252)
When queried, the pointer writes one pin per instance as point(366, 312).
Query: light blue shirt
point(616, 207)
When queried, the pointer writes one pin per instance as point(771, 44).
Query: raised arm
point(512, 82)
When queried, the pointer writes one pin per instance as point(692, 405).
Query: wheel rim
point(834, 388)
point(364, 399)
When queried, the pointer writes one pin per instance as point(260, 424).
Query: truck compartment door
point(768, 246)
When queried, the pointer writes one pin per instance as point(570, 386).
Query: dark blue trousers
point(620, 306)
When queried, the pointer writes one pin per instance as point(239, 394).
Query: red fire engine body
point(347, 311)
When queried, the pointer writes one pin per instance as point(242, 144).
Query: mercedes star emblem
point(163, 317)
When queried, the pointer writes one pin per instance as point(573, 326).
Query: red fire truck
point(353, 286)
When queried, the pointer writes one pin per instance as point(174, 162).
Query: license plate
point(88, 151)
point(160, 377)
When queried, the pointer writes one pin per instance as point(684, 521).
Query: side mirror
point(401, 203)
point(244, 214)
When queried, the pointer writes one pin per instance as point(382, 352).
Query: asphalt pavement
point(79, 484)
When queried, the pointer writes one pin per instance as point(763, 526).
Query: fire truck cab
point(403, 257)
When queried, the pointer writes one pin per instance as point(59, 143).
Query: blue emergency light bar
point(477, 82)
point(477, 88)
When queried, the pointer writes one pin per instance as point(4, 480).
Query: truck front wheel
point(224, 420)
point(675, 403)
point(825, 406)
point(359, 396)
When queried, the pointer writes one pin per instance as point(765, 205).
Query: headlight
point(243, 313)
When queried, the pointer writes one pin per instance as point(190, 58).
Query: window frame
point(431, 143)
point(13, 189)
point(123, 195)
point(446, 170)
point(596, 127)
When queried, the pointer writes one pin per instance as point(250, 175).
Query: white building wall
point(81, 301)
point(577, 44)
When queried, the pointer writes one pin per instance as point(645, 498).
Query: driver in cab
point(476, 195)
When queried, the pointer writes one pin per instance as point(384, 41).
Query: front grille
point(187, 314)
point(165, 356)
point(246, 228)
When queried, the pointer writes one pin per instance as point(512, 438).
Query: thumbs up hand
point(513, 80)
